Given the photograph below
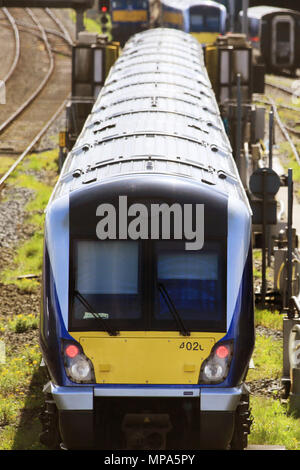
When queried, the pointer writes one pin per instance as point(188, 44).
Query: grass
point(290, 162)
point(21, 377)
point(29, 256)
point(268, 319)
point(257, 273)
point(267, 354)
point(5, 164)
point(27, 261)
point(273, 425)
point(16, 373)
point(267, 359)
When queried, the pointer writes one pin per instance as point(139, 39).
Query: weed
point(8, 411)
point(5, 164)
point(22, 323)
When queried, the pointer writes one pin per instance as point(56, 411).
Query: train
point(273, 33)
point(204, 19)
point(147, 320)
point(128, 17)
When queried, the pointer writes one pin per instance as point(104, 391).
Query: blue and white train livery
point(147, 326)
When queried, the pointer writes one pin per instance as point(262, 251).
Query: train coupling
point(144, 431)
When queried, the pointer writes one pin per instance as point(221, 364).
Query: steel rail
point(42, 84)
point(279, 87)
point(27, 26)
point(60, 25)
point(33, 142)
point(284, 130)
point(15, 61)
point(34, 32)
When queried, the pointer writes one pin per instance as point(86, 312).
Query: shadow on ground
point(27, 434)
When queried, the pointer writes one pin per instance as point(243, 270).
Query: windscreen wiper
point(173, 309)
point(90, 309)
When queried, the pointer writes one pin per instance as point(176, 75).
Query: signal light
point(103, 6)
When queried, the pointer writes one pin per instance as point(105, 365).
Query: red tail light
point(222, 352)
point(72, 351)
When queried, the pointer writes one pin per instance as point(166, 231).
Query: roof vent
point(149, 165)
point(77, 173)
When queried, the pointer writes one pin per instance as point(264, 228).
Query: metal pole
point(289, 236)
point(239, 123)
point(264, 230)
point(79, 22)
point(245, 17)
point(271, 129)
point(232, 15)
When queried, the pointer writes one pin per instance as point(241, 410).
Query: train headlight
point(78, 367)
point(216, 367)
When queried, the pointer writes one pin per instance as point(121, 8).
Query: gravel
point(12, 215)
point(266, 387)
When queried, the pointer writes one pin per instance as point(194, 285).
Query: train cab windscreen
point(283, 42)
point(139, 285)
point(205, 20)
point(130, 4)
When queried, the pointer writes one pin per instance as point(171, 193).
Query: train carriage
point(129, 17)
point(147, 325)
point(274, 33)
point(205, 20)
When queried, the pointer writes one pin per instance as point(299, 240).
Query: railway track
point(37, 87)
point(44, 81)
point(16, 57)
point(285, 129)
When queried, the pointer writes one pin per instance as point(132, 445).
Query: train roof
point(185, 4)
point(260, 11)
point(156, 114)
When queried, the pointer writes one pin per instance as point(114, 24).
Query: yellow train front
point(147, 325)
point(204, 19)
point(128, 17)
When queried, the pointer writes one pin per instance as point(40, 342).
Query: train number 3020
point(191, 346)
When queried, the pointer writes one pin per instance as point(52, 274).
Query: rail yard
point(61, 139)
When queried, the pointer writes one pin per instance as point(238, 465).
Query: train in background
point(128, 17)
point(204, 19)
point(274, 34)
